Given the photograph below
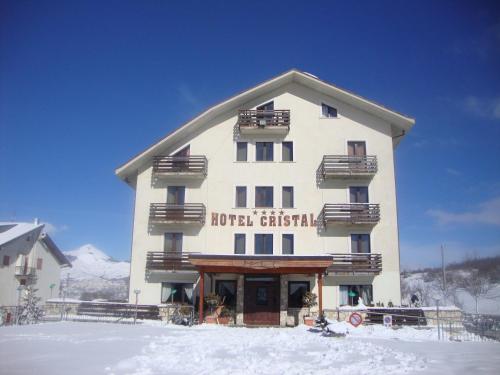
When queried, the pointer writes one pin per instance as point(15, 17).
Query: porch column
point(202, 292)
point(320, 293)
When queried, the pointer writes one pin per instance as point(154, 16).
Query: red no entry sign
point(355, 319)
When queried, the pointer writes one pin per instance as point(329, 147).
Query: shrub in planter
point(309, 300)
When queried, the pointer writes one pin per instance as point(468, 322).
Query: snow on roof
point(17, 230)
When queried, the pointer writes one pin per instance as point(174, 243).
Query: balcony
point(168, 261)
point(351, 213)
point(342, 166)
point(180, 166)
point(188, 213)
point(355, 264)
point(25, 272)
point(264, 122)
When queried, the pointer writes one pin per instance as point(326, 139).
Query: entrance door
point(262, 300)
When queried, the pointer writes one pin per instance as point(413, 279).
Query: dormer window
point(328, 111)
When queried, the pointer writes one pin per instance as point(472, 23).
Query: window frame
point(256, 202)
point(257, 143)
point(218, 282)
point(174, 242)
point(246, 151)
point(240, 235)
point(350, 300)
point(39, 264)
point(6, 261)
point(308, 289)
point(291, 151)
point(323, 104)
point(283, 235)
point(177, 189)
point(264, 242)
point(236, 203)
point(283, 197)
point(184, 299)
point(360, 234)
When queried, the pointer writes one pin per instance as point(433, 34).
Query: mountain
point(95, 275)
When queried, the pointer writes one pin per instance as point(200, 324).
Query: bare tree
point(477, 284)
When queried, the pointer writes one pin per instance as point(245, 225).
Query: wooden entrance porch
point(262, 275)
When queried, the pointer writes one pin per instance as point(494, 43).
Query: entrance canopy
point(271, 264)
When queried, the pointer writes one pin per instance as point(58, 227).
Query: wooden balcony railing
point(351, 213)
point(356, 263)
point(168, 261)
point(347, 166)
point(177, 213)
point(184, 165)
point(255, 120)
point(25, 271)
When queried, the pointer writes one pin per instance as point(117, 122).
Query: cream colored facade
point(28, 260)
point(214, 134)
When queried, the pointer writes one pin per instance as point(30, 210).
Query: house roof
point(400, 123)
point(16, 230)
point(13, 230)
point(58, 254)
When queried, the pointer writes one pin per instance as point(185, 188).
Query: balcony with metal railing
point(187, 213)
point(171, 261)
point(343, 166)
point(194, 166)
point(25, 272)
point(264, 122)
point(351, 214)
point(355, 263)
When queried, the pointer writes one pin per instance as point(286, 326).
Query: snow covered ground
point(100, 348)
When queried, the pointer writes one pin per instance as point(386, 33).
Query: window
point(177, 293)
point(349, 294)
point(22, 282)
point(264, 196)
point(358, 194)
point(328, 111)
point(287, 197)
point(261, 296)
point(173, 242)
point(263, 244)
point(239, 243)
point(241, 151)
point(39, 263)
point(360, 243)
point(264, 151)
point(356, 148)
point(176, 194)
point(287, 244)
point(6, 260)
point(266, 107)
point(226, 289)
point(287, 151)
point(241, 196)
point(296, 291)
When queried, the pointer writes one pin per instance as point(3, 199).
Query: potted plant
point(213, 302)
point(309, 300)
point(225, 316)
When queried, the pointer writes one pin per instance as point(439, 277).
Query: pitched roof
point(16, 230)
point(58, 254)
point(399, 121)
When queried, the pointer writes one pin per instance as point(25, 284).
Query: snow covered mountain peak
point(89, 262)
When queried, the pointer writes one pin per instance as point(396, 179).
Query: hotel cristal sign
point(266, 219)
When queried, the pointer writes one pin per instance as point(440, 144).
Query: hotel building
point(284, 188)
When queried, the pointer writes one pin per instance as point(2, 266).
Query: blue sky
point(86, 85)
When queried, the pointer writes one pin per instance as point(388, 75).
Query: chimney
point(36, 221)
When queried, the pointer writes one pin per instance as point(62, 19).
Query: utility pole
point(443, 268)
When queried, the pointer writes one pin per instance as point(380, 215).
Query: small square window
point(287, 151)
point(328, 111)
point(39, 263)
point(241, 151)
point(6, 260)
point(263, 244)
point(173, 243)
point(241, 196)
point(264, 196)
